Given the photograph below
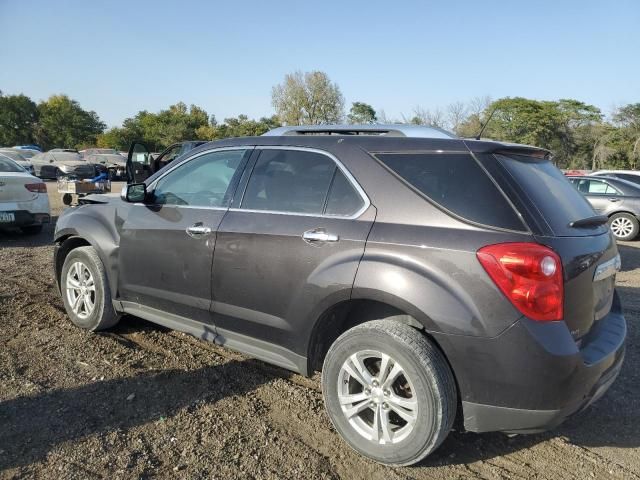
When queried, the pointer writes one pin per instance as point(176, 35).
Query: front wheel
point(389, 392)
point(85, 290)
point(624, 226)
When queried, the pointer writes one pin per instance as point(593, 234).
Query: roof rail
point(391, 130)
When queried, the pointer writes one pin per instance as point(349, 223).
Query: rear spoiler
point(481, 146)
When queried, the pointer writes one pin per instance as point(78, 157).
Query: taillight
point(40, 187)
point(530, 275)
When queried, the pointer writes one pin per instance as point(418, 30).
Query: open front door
point(138, 163)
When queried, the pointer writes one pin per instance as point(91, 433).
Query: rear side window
point(8, 165)
point(291, 181)
point(343, 199)
point(558, 202)
point(457, 183)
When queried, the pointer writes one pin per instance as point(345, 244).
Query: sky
point(119, 57)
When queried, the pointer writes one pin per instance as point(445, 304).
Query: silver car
point(615, 198)
point(53, 164)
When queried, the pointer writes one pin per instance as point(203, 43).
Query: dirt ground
point(141, 401)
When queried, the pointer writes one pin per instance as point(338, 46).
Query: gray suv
point(429, 278)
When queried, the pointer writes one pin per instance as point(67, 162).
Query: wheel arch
point(69, 238)
point(342, 316)
point(616, 212)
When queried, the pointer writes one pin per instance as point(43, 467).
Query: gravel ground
point(141, 401)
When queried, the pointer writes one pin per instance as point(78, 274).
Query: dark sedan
point(616, 198)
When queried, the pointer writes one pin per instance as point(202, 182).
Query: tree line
point(579, 134)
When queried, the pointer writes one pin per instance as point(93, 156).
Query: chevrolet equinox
point(427, 277)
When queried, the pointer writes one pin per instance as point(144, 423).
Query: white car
point(24, 202)
point(17, 157)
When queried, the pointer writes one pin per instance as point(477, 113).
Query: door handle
point(614, 199)
point(198, 230)
point(319, 235)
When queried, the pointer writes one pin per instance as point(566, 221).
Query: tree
point(556, 125)
point(157, 130)
point(18, 116)
point(63, 123)
point(628, 116)
point(240, 126)
point(308, 99)
point(457, 113)
point(119, 138)
point(432, 118)
point(628, 119)
point(361, 113)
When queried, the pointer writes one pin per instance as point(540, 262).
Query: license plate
point(7, 217)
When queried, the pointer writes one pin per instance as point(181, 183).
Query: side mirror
point(134, 193)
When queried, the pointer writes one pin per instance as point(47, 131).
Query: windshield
point(550, 191)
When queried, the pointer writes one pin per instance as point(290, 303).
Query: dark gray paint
point(257, 286)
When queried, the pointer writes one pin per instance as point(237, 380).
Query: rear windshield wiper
point(590, 221)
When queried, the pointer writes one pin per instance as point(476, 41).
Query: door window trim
point(350, 178)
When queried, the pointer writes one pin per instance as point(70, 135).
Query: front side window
point(457, 183)
point(205, 181)
point(291, 181)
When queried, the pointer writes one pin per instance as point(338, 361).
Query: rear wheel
point(389, 392)
point(85, 290)
point(624, 226)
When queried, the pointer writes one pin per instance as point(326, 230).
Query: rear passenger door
point(288, 248)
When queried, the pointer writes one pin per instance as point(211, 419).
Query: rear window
point(8, 165)
point(550, 191)
point(457, 183)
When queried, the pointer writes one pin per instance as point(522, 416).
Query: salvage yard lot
point(142, 401)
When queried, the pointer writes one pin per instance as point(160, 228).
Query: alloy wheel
point(621, 227)
point(377, 397)
point(81, 290)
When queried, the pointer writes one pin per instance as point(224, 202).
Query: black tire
point(628, 226)
point(31, 229)
point(102, 315)
point(428, 375)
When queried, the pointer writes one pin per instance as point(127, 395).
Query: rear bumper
point(534, 375)
point(24, 218)
point(490, 418)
